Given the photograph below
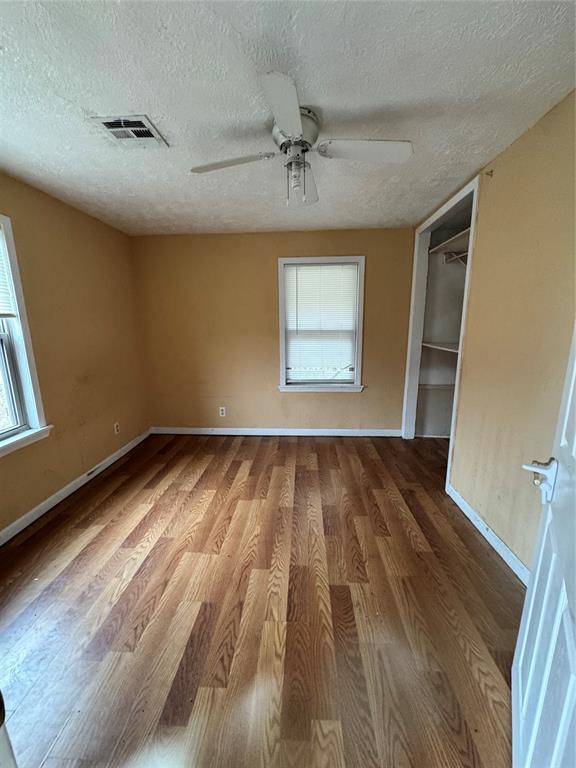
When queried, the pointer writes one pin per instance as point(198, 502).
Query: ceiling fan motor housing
point(310, 131)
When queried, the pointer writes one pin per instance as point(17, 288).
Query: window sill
point(27, 437)
point(320, 388)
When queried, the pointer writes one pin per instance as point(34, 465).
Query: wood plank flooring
point(246, 602)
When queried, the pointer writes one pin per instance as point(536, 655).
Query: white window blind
point(321, 322)
point(7, 299)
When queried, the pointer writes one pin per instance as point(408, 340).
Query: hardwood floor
point(246, 601)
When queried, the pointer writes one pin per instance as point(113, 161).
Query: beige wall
point(209, 313)
point(521, 312)
point(77, 277)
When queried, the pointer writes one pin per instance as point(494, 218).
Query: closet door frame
point(417, 305)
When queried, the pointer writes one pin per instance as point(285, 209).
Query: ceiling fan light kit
point(295, 133)
point(300, 184)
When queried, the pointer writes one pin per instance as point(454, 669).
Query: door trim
point(417, 304)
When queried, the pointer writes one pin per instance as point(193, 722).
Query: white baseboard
point(23, 522)
point(492, 538)
point(277, 431)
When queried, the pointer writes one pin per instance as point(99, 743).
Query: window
point(21, 415)
point(321, 323)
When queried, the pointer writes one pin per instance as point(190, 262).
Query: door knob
point(544, 477)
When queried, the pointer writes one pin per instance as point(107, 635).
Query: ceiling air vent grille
point(135, 130)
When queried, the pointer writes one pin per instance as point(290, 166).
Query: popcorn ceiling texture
point(462, 80)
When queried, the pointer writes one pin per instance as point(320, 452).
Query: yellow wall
point(520, 319)
point(209, 313)
point(77, 276)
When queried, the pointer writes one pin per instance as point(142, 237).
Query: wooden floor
point(247, 601)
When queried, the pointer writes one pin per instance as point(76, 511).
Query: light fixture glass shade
point(301, 188)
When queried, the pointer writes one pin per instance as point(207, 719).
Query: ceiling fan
point(295, 132)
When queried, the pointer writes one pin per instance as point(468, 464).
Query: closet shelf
point(456, 244)
point(436, 386)
point(444, 346)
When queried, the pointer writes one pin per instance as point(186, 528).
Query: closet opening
point(442, 259)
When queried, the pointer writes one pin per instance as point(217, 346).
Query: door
point(544, 669)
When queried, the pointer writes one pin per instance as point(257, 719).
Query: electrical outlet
point(116, 427)
point(222, 410)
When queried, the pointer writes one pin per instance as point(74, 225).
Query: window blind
point(321, 322)
point(7, 299)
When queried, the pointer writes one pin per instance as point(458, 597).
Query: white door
point(544, 669)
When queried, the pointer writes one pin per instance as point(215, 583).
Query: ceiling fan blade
point(368, 150)
point(282, 98)
point(233, 161)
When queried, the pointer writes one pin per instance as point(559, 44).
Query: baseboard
point(276, 431)
point(492, 538)
point(30, 517)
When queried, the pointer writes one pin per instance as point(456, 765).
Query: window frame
point(20, 362)
point(357, 386)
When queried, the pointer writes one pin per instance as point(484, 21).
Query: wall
point(520, 320)
point(209, 313)
point(77, 276)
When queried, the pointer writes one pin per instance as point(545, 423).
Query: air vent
point(132, 131)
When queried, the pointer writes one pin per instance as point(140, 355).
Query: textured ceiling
point(461, 80)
